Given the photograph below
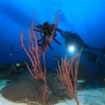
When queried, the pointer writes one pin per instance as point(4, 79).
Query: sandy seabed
point(85, 97)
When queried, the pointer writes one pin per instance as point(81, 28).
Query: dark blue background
point(84, 17)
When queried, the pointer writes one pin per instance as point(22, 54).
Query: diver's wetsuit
point(73, 38)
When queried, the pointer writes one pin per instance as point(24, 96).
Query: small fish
point(80, 81)
point(11, 53)
point(55, 57)
point(11, 48)
point(18, 64)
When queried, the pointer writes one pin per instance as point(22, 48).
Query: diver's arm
point(91, 47)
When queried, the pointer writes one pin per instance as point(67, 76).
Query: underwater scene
point(52, 52)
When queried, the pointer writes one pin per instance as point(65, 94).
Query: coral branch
point(68, 72)
point(34, 53)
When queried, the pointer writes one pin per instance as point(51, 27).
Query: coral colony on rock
point(49, 70)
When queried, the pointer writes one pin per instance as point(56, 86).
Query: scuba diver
point(73, 39)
